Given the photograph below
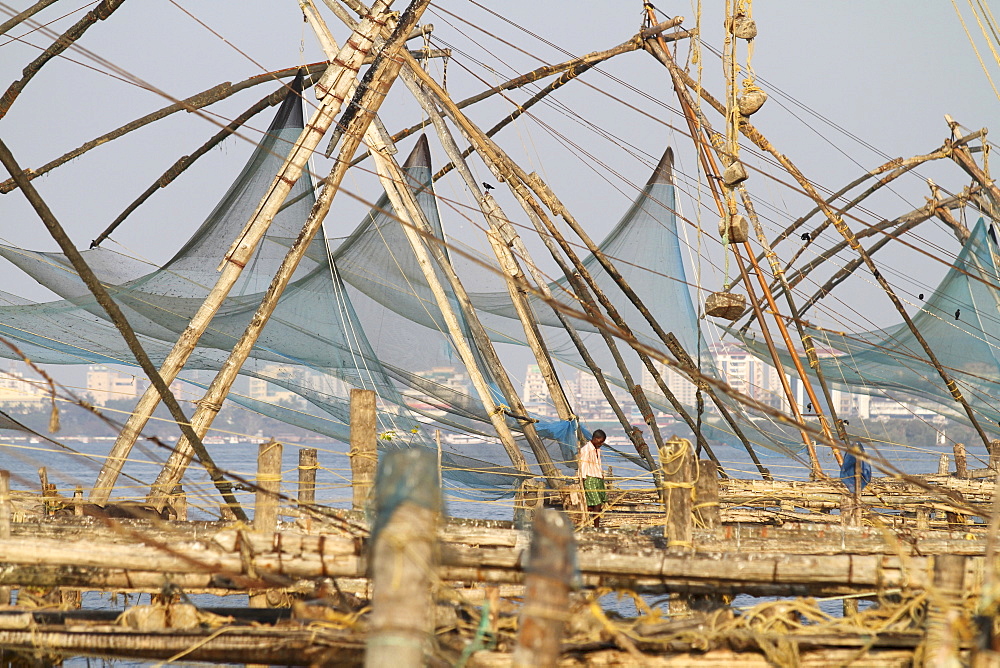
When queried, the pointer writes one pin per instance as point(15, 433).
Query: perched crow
point(958, 312)
point(920, 296)
point(487, 186)
point(809, 408)
point(805, 236)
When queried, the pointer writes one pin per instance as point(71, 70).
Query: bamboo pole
point(333, 87)
point(504, 238)
point(455, 113)
point(509, 245)
point(359, 123)
point(900, 226)
point(403, 560)
point(695, 120)
point(574, 64)
point(507, 171)
point(363, 452)
point(186, 161)
point(414, 225)
point(159, 386)
point(547, 582)
point(838, 223)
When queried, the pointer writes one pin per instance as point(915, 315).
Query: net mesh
point(359, 313)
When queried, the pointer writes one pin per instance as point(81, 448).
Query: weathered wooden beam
point(363, 452)
point(547, 581)
point(403, 560)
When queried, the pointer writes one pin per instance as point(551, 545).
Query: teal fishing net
point(960, 322)
point(359, 313)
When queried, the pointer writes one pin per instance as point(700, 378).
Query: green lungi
point(594, 488)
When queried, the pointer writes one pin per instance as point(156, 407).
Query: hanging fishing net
point(358, 312)
point(960, 322)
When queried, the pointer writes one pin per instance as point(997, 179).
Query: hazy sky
point(840, 75)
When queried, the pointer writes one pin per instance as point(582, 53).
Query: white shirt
point(590, 461)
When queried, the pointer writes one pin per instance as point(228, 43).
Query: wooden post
point(706, 495)
point(308, 464)
point(437, 442)
point(850, 510)
point(5, 511)
point(944, 611)
point(527, 502)
point(78, 501)
point(994, 464)
point(363, 453)
point(943, 465)
point(549, 573)
point(403, 560)
point(178, 501)
point(265, 515)
point(677, 460)
point(48, 491)
point(961, 466)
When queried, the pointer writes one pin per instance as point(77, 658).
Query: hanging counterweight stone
point(728, 305)
point(734, 174)
point(743, 27)
point(751, 101)
point(733, 229)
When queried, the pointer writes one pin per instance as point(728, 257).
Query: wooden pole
point(509, 240)
point(528, 500)
point(403, 560)
point(944, 611)
point(677, 460)
point(5, 532)
point(706, 495)
point(437, 442)
point(363, 452)
point(179, 502)
point(547, 581)
point(268, 483)
point(265, 517)
point(414, 224)
point(994, 451)
point(308, 464)
point(334, 86)
point(210, 405)
point(102, 11)
point(942, 464)
point(506, 170)
point(961, 463)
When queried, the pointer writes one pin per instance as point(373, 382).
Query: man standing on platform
point(592, 472)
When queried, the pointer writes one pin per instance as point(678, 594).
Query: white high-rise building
point(104, 385)
point(536, 391)
point(262, 390)
point(678, 383)
point(17, 390)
